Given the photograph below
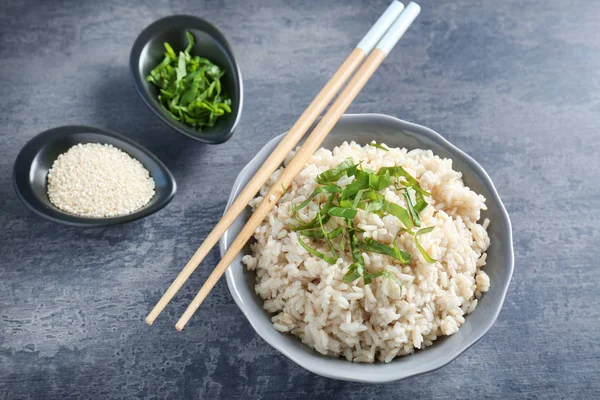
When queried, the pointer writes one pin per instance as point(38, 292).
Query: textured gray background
point(517, 87)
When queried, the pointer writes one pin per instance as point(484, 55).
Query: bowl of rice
point(382, 293)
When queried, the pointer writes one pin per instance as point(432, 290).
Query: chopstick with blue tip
point(303, 155)
point(296, 132)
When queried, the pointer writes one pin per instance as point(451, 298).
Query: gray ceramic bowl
point(397, 133)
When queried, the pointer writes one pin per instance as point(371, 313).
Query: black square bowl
point(148, 51)
point(30, 174)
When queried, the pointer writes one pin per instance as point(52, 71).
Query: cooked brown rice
point(382, 320)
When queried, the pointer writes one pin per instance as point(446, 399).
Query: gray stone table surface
point(515, 84)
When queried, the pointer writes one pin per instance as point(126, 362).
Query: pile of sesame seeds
point(98, 180)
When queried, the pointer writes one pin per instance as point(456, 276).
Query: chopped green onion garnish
point(378, 146)
point(420, 201)
point(190, 87)
point(376, 207)
point(324, 232)
point(346, 167)
point(314, 223)
point(361, 181)
point(423, 231)
point(355, 271)
point(357, 198)
point(321, 189)
point(318, 234)
point(369, 277)
point(392, 251)
point(372, 195)
point(414, 215)
point(342, 212)
point(316, 252)
point(400, 213)
point(356, 254)
point(380, 182)
point(363, 193)
point(398, 172)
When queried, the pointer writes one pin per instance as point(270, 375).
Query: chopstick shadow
point(120, 109)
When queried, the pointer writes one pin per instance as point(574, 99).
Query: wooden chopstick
point(304, 154)
point(292, 138)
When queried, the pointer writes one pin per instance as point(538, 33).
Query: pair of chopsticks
point(377, 44)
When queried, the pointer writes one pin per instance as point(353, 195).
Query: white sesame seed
point(98, 180)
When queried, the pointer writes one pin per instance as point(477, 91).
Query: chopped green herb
point(380, 182)
point(190, 87)
point(361, 181)
point(191, 42)
point(356, 254)
point(314, 223)
point(342, 212)
point(414, 215)
point(363, 193)
point(369, 277)
point(398, 172)
point(321, 189)
point(355, 271)
point(400, 213)
point(316, 252)
point(378, 146)
point(335, 233)
point(313, 233)
point(318, 234)
point(346, 167)
point(357, 198)
point(423, 231)
point(170, 52)
point(372, 195)
point(343, 241)
point(376, 207)
point(392, 251)
point(324, 232)
point(420, 201)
